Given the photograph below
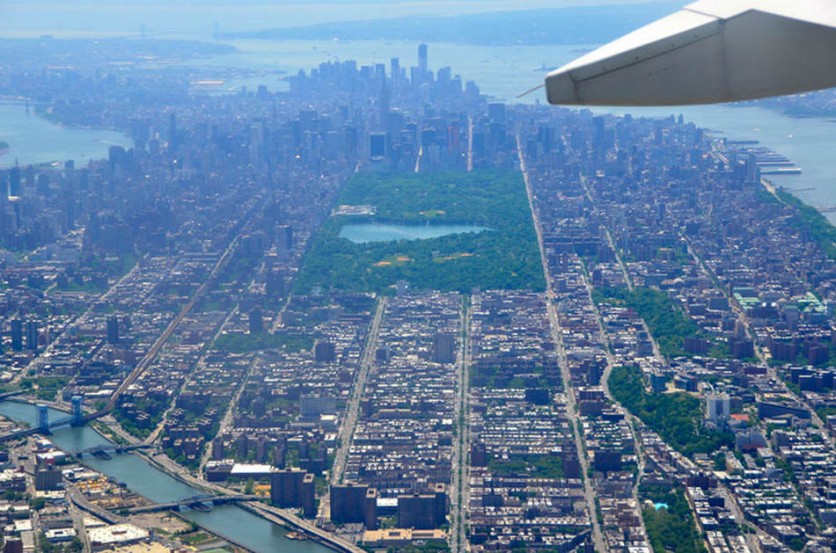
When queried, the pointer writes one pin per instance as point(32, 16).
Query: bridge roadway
point(105, 448)
point(194, 500)
point(53, 424)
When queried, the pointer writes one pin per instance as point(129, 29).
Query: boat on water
point(297, 536)
point(201, 507)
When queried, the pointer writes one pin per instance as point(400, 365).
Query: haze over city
point(308, 277)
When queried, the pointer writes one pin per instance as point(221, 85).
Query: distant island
point(4, 147)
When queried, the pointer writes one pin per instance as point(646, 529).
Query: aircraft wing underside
point(710, 51)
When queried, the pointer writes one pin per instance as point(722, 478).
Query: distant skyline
point(196, 19)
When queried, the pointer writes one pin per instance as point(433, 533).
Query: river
point(33, 139)
point(147, 480)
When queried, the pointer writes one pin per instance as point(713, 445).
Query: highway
point(286, 518)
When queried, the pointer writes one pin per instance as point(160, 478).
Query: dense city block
point(398, 316)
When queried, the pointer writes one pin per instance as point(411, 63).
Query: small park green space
point(504, 257)
point(676, 417)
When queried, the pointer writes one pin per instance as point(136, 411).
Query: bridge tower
point(43, 419)
point(78, 412)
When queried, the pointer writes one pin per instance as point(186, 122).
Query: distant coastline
point(566, 25)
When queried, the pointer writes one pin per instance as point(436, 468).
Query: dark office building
point(256, 321)
point(48, 479)
point(275, 285)
point(13, 545)
point(325, 352)
point(354, 503)
point(377, 146)
point(772, 410)
point(293, 488)
point(607, 461)
point(112, 330)
point(423, 511)
point(17, 334)
point(284, 237)
point(32, 335)
point(444, 348)
point(423, 64)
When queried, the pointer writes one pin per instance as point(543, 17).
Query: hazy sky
point(196, 18)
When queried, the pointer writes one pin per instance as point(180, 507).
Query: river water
point(145, 479)
point(33, 139)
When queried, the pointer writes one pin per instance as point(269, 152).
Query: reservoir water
point(363, 233)
point(145, 479)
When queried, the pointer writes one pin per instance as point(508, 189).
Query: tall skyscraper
point(444, 348)
point(717, 407)
point(113, 330)
point(395, 70)
point(15, 188)
point(384, 103)
point(293, 488)
point(172, 131)
point(256, 321)
point(284, 241)
point(32, 335)
point(377, 146)
point(422, 58)
point(17, 334)
point(352, 503)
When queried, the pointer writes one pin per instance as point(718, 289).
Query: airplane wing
point(710, 51)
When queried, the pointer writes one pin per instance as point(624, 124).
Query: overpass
point(193, 501)
point(108, 448)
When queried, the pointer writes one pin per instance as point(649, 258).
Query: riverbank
point(35, 140)
point(270, 514)
point(273, 515)
point(278, 516)
point(155, 482)
point(286, 520)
